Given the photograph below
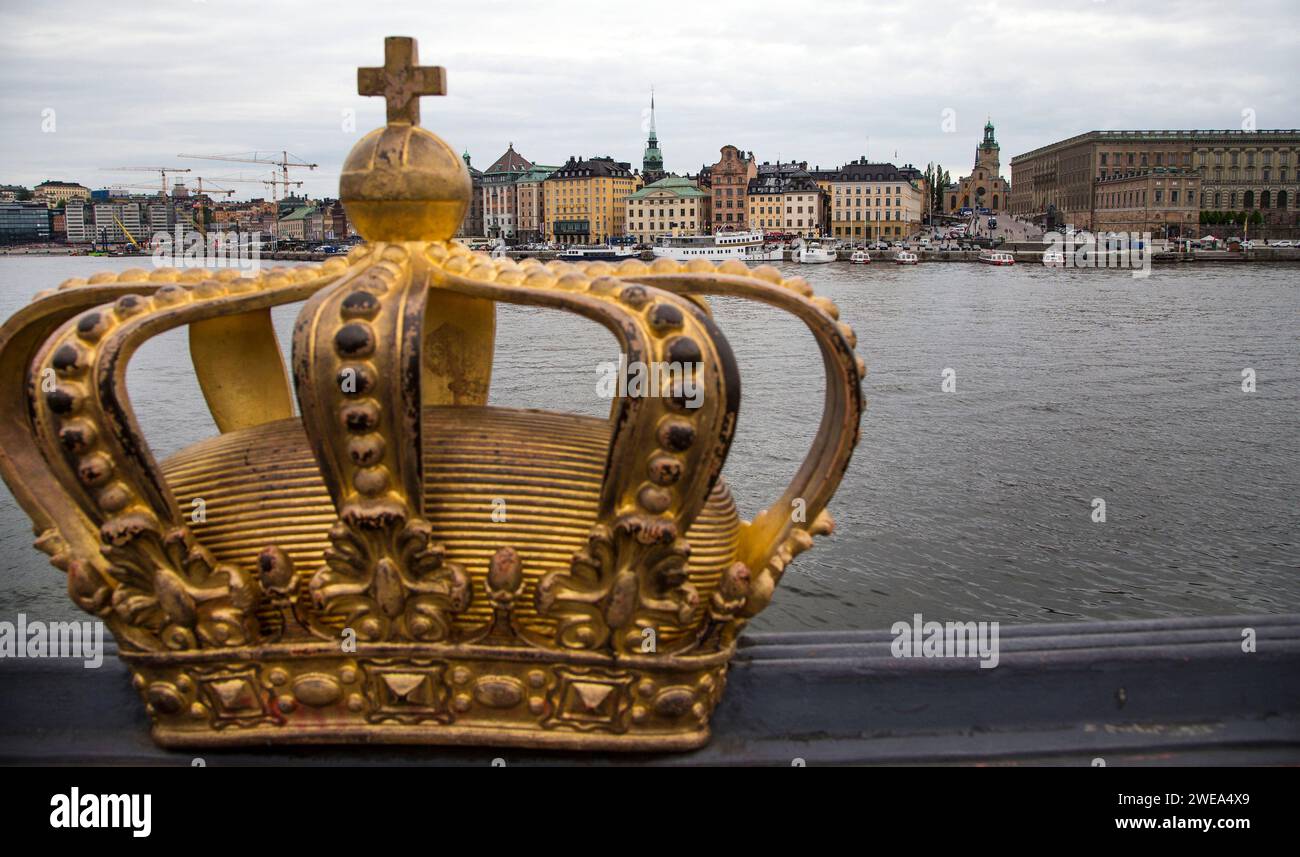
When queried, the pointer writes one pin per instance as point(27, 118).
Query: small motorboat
point(996, 257)
point(903, 257)
point(860, 257)
point(813, 253)
point(1053, 259)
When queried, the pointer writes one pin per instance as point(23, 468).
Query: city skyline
point(575, 80)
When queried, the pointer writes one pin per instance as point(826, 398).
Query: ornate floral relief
point(629, 577)
point(389, 578)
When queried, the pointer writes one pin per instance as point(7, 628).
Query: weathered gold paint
point(598, 611)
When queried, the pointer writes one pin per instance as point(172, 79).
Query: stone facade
point(1161, 201)
point(787, 200)
point(510, 194)
point(472, 225)
point(872, 201)
point(670, 206)
point(984, 187)
point(1235, 170)
point(585, 200)
point(52, 193)
point(729, 180)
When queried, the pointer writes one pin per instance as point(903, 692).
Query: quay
point(1025, 252)
point(1137, 692)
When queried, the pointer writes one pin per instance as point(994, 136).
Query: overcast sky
point(825, 81)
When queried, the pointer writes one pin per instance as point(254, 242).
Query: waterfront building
point(296, 224)
point(530, 204)
point(52, 192)
point(1239, 171)
point(119, 222)
point(584, 200)
point(786, 198)
point(984, 187)
point(337, 225)
point(652, 162)
point(729, 183)
point(875, 201)
point(160, 217)
point(256, 215)
point(472, 225)
point(24, 222)
point(508, 187)
point(1159, 200)
point(79, 222)
point(670, 206)
point(1257, 173)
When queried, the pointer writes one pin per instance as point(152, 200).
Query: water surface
point(973, 505)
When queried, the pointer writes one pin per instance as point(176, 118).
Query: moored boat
point(1053, 259)
point(748, 246)
point(860, 257)
point(813, 253)
point(997, 257)
point(596, 252)
point(904, 257)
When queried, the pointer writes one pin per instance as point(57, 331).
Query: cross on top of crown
point(402, 80)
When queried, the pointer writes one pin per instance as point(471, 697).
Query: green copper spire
point(652, 165)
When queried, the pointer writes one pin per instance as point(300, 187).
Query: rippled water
point(1071, 385)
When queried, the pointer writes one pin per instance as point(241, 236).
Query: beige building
point(787, 200)
point(670, 206)
point(871, 202)
point(52, 193)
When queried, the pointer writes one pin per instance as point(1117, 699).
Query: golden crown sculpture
point(369, 517)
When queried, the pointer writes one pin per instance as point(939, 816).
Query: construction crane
point(161, 171)
point(285, 161)
point(199, 191)
point(127, 233)
point(271, 183)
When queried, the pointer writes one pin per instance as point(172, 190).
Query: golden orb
point(404, 183)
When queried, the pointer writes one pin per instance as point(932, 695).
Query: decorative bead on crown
point(399, 561)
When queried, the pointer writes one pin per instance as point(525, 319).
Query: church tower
point(988, 155)
point(652, 165)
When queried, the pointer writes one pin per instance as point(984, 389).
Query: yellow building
point(585, 200)
point(874, 202)
point(52, 193)
point(670, 206)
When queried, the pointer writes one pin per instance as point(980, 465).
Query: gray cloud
point(821, 81)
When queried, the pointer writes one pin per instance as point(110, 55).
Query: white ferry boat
point(813, 253)
point(1053, 259)
point(996, 257)
point(903, 257)
point(719, 247)
point(860, 257)
point(596, 252)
